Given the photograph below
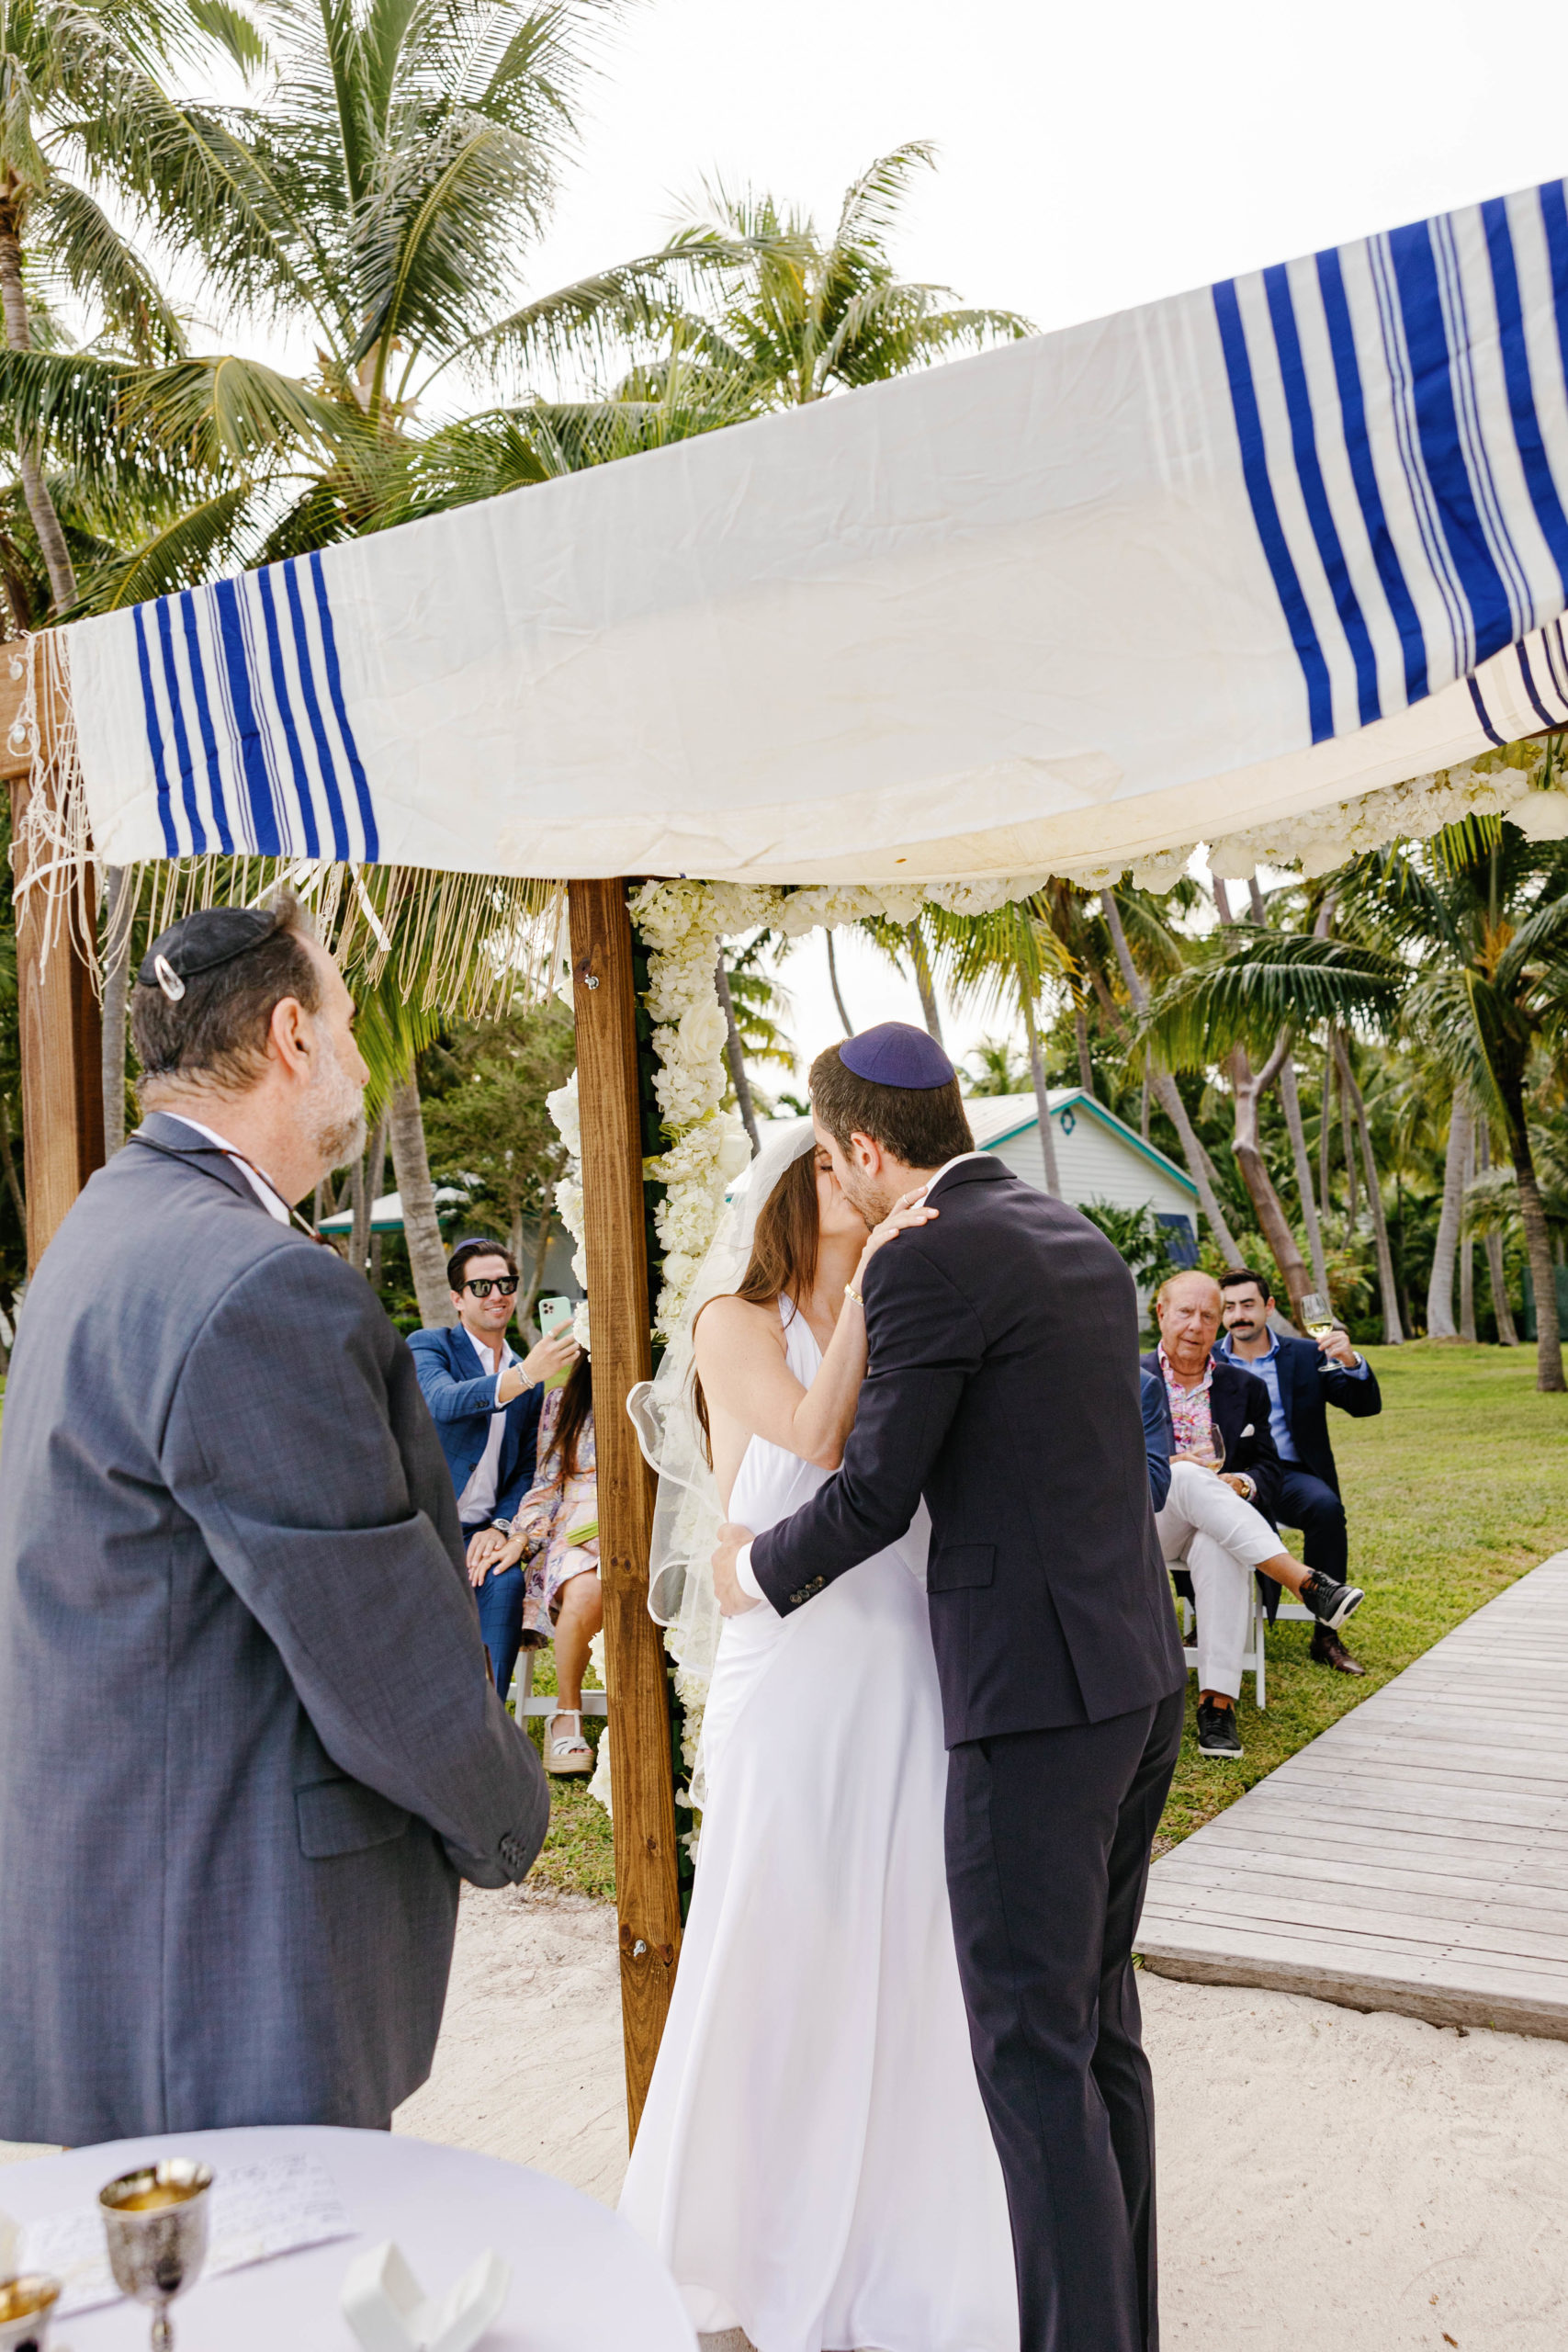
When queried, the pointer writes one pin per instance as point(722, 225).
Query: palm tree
point(1198, 1165)
point(1009, 956)
point(381, 193)
point(1250, 999)
point(806, 316)
point(84, 111)
point(1482, 914)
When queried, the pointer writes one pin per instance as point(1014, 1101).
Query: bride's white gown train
point(814, 2162)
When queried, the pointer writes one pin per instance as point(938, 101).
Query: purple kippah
point(896, 1054)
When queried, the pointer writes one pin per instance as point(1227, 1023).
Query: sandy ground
point(1327, 2179)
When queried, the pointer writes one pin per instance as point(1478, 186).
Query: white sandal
point(564, 1754)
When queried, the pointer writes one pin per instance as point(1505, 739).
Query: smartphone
point(555, 1315)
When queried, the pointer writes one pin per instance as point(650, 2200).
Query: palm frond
point(101, 266)
point(1269, 982)
point(200, 540)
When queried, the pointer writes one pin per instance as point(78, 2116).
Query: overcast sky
point(1090, 158)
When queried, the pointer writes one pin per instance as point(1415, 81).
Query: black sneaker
point(1216, 1730)
point(1331, 1603)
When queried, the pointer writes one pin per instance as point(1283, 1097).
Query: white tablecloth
point(581, 2280)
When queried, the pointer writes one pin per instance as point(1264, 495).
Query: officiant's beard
point(334, 1108)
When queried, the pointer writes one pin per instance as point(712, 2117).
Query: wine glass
point(1317, 1314)
point(156, 2220)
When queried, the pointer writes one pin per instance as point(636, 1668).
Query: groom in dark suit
point(1003, 1386)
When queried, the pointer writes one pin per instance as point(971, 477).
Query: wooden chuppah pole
point(641, 1781)
point(57, 1013)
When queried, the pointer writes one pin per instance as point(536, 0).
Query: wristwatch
point(504, 1525)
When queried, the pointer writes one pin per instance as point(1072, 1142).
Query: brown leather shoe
point(1327, 1649)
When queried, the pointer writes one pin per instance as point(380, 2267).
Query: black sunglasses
point(506, 1284)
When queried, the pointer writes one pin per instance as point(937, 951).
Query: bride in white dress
point(814, 2162)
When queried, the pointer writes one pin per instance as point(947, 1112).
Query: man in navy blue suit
point(1303, 1378)
point(485, 1400)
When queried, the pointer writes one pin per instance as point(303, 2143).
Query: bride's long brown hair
point(784, 1256)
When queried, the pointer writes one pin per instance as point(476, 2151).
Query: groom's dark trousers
point(1003, 1386)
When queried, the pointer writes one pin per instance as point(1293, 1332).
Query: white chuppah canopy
point(1208, 566)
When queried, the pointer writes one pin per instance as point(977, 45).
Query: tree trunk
point(735, 1054)
point(833, 984)
point(1347, 1144)
point(1086, 1068)
point(1325, 1135)
point(359, 1206)
point(1392, 1334)
point(924, 982)
point(1169, 1094)
point(363, 1191)
point(7, 1158)
point(1507, 1333)
point(1247, 1090)
point(1467, 1252)
point(1544, 1273)
point(1290, 1100)
point(116, 981)
point(1441, 1289)
point(1144, 1105)
point(19, 337)
point(1041, 1093)
point(411, 1165)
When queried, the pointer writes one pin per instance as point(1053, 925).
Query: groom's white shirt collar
point(956, 1162)
point(743, 1575)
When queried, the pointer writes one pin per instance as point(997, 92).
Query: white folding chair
point(594, 1702)
point(1255, 1659)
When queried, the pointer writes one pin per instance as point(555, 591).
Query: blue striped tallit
point(1400, 410)
point(1166, 577)
point(251, 747)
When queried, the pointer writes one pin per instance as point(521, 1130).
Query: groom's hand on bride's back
point(730, 1593)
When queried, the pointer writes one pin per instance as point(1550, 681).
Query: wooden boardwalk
point(1414, 1857)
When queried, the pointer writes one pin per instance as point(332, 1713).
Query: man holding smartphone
point(484, 1400)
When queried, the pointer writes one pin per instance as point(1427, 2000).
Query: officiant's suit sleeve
point(925, 1343)
point(298, 1443)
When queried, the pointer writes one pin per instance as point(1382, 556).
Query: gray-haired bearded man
point(248, 1743)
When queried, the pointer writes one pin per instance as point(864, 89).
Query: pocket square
point(1249, 1431)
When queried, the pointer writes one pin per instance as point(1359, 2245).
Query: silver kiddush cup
point(26, 2307)
point(155, 2220)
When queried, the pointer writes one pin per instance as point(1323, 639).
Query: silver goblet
point(26, 2306)
point(155, 2221)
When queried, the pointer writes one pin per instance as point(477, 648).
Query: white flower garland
point(683, 924)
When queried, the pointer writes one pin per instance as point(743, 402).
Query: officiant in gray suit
point(248, 1743)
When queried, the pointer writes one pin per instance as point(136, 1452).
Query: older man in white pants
point(1207, 1529)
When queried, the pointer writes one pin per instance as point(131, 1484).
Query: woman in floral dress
point(561, 1596)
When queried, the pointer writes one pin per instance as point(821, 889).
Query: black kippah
point(200, 942)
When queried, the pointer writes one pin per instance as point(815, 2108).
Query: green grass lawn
point(1458, 1488)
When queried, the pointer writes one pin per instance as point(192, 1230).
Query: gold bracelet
point(851, 1292)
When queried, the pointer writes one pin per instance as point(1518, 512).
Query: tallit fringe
point(52, 848)
point(465, 944)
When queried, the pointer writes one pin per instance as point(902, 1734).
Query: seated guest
point(1215, 1522)
point(485, 1400)
point(556, 1532)
point(1303, 1377)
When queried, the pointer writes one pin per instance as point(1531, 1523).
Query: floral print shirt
point(1192, 1419)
